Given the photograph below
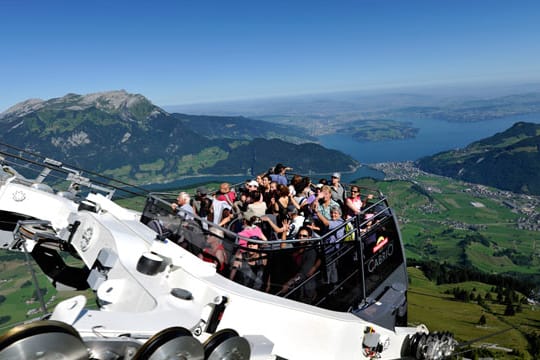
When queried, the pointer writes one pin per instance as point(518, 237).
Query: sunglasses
point(303, 235)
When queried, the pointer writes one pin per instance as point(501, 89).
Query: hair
point(306, 229)
point(296, 179)
point(278, 168)
point(256, 195)
point(304, 183)
point(335, 208)
point(283, 190)
point(252, 220)
point(326, 188)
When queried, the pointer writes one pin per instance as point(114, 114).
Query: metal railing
point(273, 265)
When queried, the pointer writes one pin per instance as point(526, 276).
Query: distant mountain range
point(509, 160)
point(126, 136)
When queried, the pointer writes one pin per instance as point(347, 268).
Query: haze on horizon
point(179, 52)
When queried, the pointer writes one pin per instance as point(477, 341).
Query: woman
point(282, 204)
point(258, 206)
point(307, 263)
point(353, 203)
point(214, 251)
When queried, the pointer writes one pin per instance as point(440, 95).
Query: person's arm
point(237, 263)
point(321, 217)
point(351, 206)
point(294, 202)
point(220, 255)
point(272, 224)
point(226, 220)
point(284, 233)
point(369, 197)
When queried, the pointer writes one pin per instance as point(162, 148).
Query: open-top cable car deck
point(160, 295)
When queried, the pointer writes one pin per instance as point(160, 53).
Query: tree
point(482, 320)
point(509, 311)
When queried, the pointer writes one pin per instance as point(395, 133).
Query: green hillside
point(446, 220)
point(501, 336)
point(509, 160)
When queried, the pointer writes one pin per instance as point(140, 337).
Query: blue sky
point(179, 52)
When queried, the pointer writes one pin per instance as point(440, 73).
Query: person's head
point(292, 211)
point(304, 233)
point(252, 185)
point(280, 169)
point(183, 198)
point(253, 245)
point(226, 213)
point(252, 220)
point(273, 186)
point(296, 179)
point(224, 188)
point(326, 192)
point(323, 181)
point(335, 212)
point(283, 190)
point(256, 195)
point(266, 181)
point(201, 191)
point(355, 191)
point(369, 219)
point(336, 177)
point(302, 185)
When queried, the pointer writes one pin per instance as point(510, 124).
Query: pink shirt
point(223, 197)
point(249, 232)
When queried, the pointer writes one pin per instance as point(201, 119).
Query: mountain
point(126, 136)
point(239, 127)
point(509, 160)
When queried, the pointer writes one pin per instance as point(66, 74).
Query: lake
point(434, 136)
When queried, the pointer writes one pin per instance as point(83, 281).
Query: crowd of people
point(270, 207)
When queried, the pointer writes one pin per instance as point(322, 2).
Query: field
point(443, 220)
point(431, 305)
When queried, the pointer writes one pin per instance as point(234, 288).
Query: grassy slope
point(429, 305)
point(433, 230)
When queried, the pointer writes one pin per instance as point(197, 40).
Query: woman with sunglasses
point(353, 203)
point(307, 262)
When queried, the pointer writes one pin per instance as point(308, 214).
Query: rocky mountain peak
point(23, 108)
point(129, 106)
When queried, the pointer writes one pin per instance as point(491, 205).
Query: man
point(182, 206)
point(338, 192)
point(296, 222)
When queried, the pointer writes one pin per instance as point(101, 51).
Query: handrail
point(46, 168)
point(315, 240)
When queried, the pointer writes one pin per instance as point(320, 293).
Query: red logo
point(381, 241)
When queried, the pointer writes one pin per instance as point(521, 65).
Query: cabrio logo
point(381, 241)
point(380, 258)
point(19, 196)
